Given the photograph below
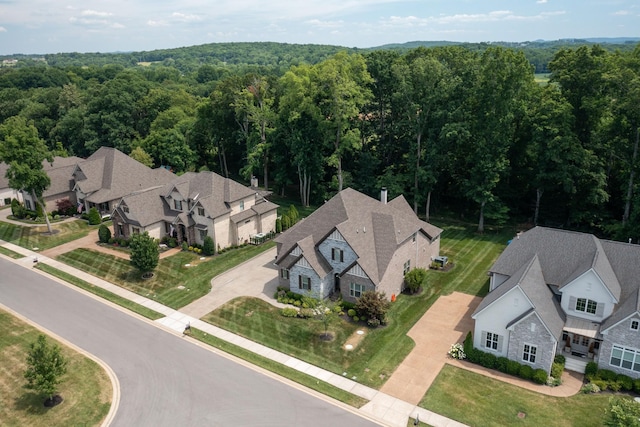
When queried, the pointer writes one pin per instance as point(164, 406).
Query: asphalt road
point(165, 380)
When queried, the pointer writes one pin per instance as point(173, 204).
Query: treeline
point(455, 130)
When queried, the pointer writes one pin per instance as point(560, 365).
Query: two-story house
point(562, 292)
point(354, 243)
point(194, 206)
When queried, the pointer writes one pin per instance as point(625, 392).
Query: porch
point(581, 344)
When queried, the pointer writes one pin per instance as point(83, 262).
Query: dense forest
point(458, 130)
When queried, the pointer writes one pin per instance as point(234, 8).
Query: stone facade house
point(562, 292)
point(354, 243)
point(61, 187)
point(193, 206)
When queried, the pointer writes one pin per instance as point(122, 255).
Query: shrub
point(66, 207)
point(172, 242)
point(456, 351)
point(374, 323)
point(607, 375)
point(278, 225)
point(346, 305)
point(591, 370)
point(540, 376)
point(356, 319)
point(94, 216)
point(625, 382)
point(590, 388)
point(526, 372)
point(306, 313)
point(513, 368)
point(297, 303)
point(17, 209)
point(372, 305)
point(351, 312)
point(104, 234)
point(601, 384)
point(289, 312)
point(556, 370)
point(474, 355)
point(208, 248)
point(185, 246)
point(615, 386)
point(488, 360)
point(636, 385)
point(560, 359)
point(468, 342)
point(501, 364)
point(415, 279)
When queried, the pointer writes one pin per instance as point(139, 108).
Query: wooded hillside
point(461, 130)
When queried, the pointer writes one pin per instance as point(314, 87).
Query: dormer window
point(200, 211)
point(241, 205)
point(125, 208)
point(337, 254)
point(177, 204)
point(635, 325)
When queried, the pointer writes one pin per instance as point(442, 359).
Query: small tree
point(415, 279)
point(94, 216)
point(373, 305)
point(325, 312)
point(104, 234)
point(144, 253)
point(208, 247)
point(65, 207)
point(17, 209)
point(45, 367)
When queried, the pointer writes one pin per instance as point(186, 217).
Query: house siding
point(497, 316)
point(621, 335)
point(317, 283)
point(537, 335)
point(222, 231)
point(591, 287)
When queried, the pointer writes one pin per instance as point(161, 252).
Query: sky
point(51, 26)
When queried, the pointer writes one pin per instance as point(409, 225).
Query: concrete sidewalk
point(388, 410)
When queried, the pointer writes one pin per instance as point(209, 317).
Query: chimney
point(383, 195)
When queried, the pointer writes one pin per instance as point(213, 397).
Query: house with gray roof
point(354, 243)
point(61, 186)
point(193, 206)
point(562, 292)
point(107, 175)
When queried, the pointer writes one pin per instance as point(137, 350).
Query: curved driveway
point(165, 380)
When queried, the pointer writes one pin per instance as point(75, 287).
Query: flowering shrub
point(457, 351)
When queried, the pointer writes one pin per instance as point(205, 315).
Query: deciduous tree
point(45, 367)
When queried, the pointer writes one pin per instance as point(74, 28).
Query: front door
point(336, 287)
point(580, 344)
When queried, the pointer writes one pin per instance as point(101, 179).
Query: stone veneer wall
point(537, 335)
point(621, 335)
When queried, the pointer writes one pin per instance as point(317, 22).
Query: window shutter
point(341, 256)
point(600, 309)
point(500, 340)
point(483, 343)
point(572, 303)
point(300, 282)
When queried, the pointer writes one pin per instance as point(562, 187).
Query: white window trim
point(635, 361)
point(637, 324)
point(529, 354)
point(353, 290)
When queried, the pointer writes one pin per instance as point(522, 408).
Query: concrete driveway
point(257, 277)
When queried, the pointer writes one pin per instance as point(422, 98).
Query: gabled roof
point(629, 307)
point(145, 207)
point(373, 230)
point(212, 191)
point(60, 174)
point(531, 281)
point(564, 256)
point(109, 174)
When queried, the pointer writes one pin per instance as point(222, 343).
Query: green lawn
point(86, 388)
point(382, 349)
point(477, 400)
point(37, 237)
point(174, 284)
point(10, 253)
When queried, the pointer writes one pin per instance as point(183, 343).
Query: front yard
point(382, 349)
point(37, 237)
point(174, 284)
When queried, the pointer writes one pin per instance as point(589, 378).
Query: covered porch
point(580, 343)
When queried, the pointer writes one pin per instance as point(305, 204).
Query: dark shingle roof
point(109, 174)
point(60, 173)
point(372, 229)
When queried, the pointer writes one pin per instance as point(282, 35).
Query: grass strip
point(85, 387)
point(102, 293)
point(10, 253)
point(277, 368)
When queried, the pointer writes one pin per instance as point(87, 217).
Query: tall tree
point(24, 151)
point(342, 84)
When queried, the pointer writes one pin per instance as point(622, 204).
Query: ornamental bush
point(501, 364)
point(456, 351)
point(104, 234)
point(556, 370)
point(513, 368)
point(208, 247)
point(415, 279)
point(351, 312)
point(526, 372)
point(591, 370)
point(540, 376)
point(372, 305)
point(289, 312)
point(94, 216)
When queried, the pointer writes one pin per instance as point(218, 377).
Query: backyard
point(86, 389)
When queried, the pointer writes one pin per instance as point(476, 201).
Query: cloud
point(541, 1)
point(181, 17)
point(621, 13)
point(3, 30)
point(153, 23)
point(494, 16)
point(325, 24)
point(95, 13)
